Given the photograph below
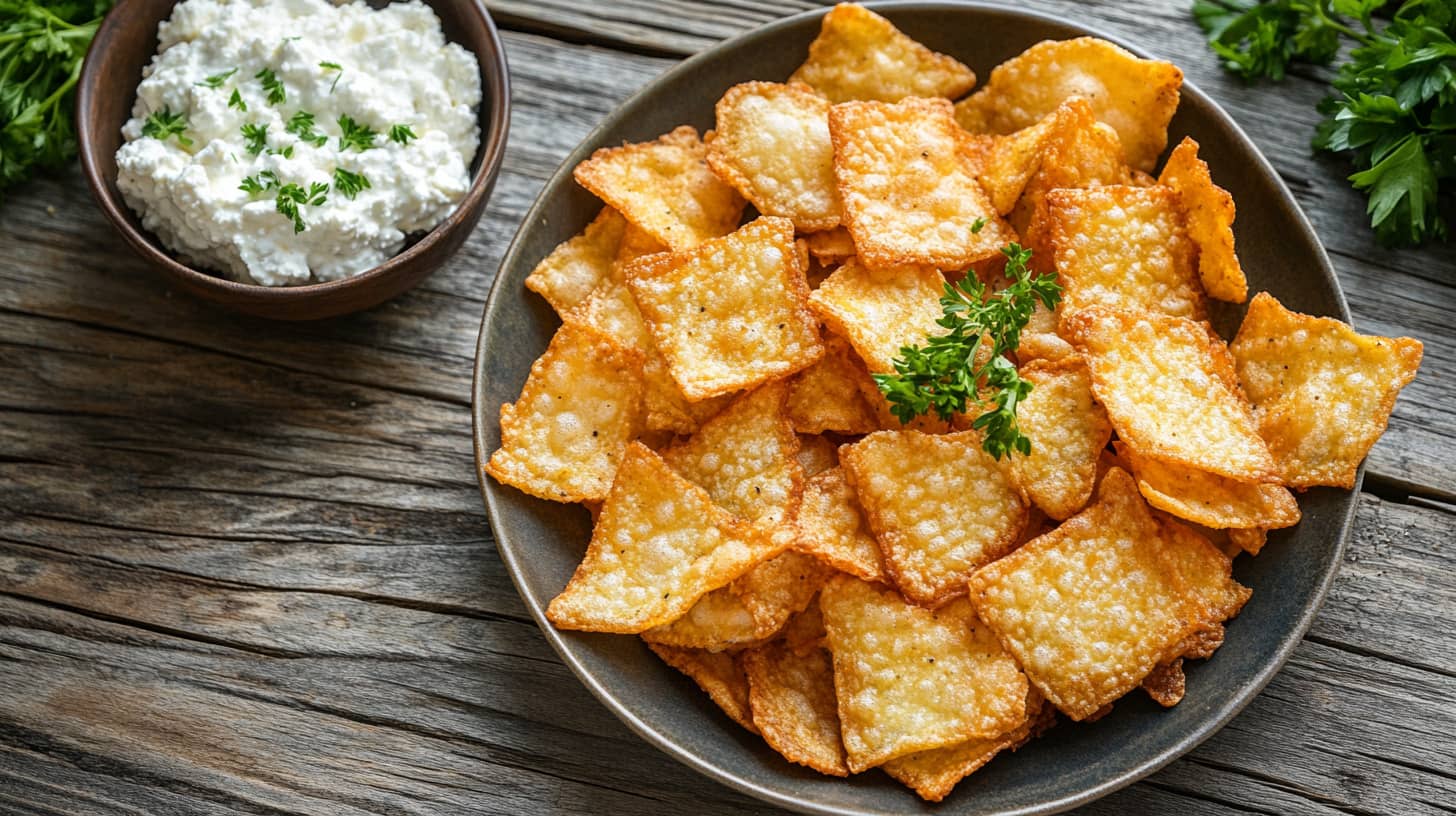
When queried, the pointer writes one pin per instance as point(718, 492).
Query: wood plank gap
point(574, 35)
point(1402, 491)
point(1200, 796)
point(1280, 784)
point(1414, 766)
point(1377, 655)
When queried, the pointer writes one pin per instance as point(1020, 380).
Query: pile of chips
point(866, 594)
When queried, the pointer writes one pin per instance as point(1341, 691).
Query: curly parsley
point(349, 183)
point(402, 134)
point(291, 197)
point(301, 125)
point(164, 124)
point(255, 136)
point(352, 134)
point(272, 86)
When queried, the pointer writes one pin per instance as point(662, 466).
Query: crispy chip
point(719, 675)
point(1321, 392)
point(1008, 162)
point(1067, 429)
point(933, 774)
point(563, 438)
point(1250, 541)
point(665, 188)
point(1212, 501)
point(897, 695)
point(1040, 339)
point(635, 244)
point(1135, 96)
point(750, 610)
point(861, 55)
point(909, 196)
point(805, 631)
point(794, 707)
point(1207, 572)
point(1158, 378)
point(939, 506)
point(1209, 211)
point(772, 144)
point(732, 312)
point(880, 311)
point(816, 455)
point(826, 396)
point(568, 275)
point(832, 528)
point(1165, 684)
point(831, 246)
point(659, 545)
point(1123, 248)
point(1076, 152)
point(1091, 607)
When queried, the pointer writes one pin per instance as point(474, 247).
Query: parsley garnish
point(967, 366)
point(292, 196)
point(261, 183)
point(277, 94)
point(333, 66)
point(286, 151)
point(402, 134)
point(216, 80)
point(256, 136)
point(352, 134)
point(349, 183)
point(164, 123)
point(236, 101)
point(301, 125)
point(978, 225)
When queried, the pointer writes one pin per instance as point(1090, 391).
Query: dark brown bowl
point(542, 542)
point(125, 44)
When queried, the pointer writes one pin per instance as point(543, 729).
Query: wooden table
point(244, 566)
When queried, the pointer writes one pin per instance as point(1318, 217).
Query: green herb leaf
point(164, 124)
point(301, 124)
point(402, 134)
point(349, 183)
point(261, 183)
point(216, 80)
point(273, 86)
point(333, 66)
point(236, 101)
point(255, 136)
point(291, 197)
point(354, 135)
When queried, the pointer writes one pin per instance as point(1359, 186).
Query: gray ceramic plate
point(541, 542)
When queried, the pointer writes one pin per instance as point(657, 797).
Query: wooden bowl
point(106, 91)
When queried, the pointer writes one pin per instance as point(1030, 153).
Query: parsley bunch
point(42, 43)
point(967, 365)
point(1394, 104)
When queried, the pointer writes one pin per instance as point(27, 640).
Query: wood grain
point(244, 566)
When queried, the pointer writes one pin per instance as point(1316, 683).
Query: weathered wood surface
point(244, 566)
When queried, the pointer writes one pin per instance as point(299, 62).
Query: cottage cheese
point(395, 69)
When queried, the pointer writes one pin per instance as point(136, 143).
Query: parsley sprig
point(301, 124)
point(291, 197)
point(349, 184)
point(402, 134)
point(967, 366)
point(272, 85)
point(163, 124)
point(255, 137)
point(352, 134)
point(338, 73)
point(216, 81)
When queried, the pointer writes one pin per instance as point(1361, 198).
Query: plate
point(541, 542)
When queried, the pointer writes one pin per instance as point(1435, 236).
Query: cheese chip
point(830, 246)
point(1250, 541)
point(772, 144)
point(568, 275)
point(563, 438)
point(718, 674)
point(880, 311)
point(939, 506)
point(1209, 211)
point(949, 683)
point(826, 396)
point(1137, 97)
point(933, 774)
point(861, 55)
point(1321, 392)
point(1206, 571)
point(1158, 378)
point(659, 545)
point(909, 195)
point(1091, 607)
point(731, 313)
point(833, 529)
point(1123, 248)
point(816, 455)
point(794, 707)
point(665, 188)
point(1213, 501)
point(750, 610)
point(1008, 162)
point(1067, 429)
point(1077, 152)
point(1166, 683)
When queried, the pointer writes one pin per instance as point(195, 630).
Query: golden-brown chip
point(1067, 429)
point(826, 396)
point(1124, 248)
point(861, 55)
point(1209, 211)
point(718, 674)
point(939, 506)
point(665, 188)
point(732, 312)
point(1008, 162)
point(794, 707)
point(1166, 683)
point(899, 694)
point(1040, 339)
point(1206, 571)
point(772, 144)
point(831, 246)
point(880, 311)
point(1158, 378)
point(817, 454)
point(568, 275)
point(659, 545)
point(563, 438)
point(1091, 607)
point(805, 631)
point(1135, 96)
point(909, 195)
point(1213, 501)
point(933, 774)
point(1250, 541)
point(750, 610)
point(1076, 152)
point(832, 528)
point(1322, 393)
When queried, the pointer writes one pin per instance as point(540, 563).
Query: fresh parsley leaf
point(333, 66)
point(978, 225)
point(291, 197)
point(352, 134)
point(272, 85)
point(402, 134)
point(236, 101)
point(349, 183)
point(164, 124)
point(301, 124)
point(216, 80)
point(967, 366)
point(286, 151)
point(255, 136)
point(261, 183)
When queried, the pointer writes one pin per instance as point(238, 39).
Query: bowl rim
point(490, 153)
point(1289, 641)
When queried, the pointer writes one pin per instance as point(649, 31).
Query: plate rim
point(1231, 708)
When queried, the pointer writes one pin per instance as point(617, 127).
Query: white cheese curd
point(394, 68)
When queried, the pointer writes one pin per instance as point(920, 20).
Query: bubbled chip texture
point(861, 55)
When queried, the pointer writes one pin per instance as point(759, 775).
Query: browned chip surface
point(1068, 431)
point(880, 311)
point(751, 609)
point(1322, 393)
point(831, 246)
point(909, 196)
point(861, 55)
point(1077, 152)
point(1210, 216)
point(568, 275)
point(717, 674)
point(794, 707)
point(939, 506)
point(827, 396)
point(832, 528)
point(817, 454)
point(665, 188)
point(1165, 684)
point(1213, 501)
point(1206, 571)
point(933, 774)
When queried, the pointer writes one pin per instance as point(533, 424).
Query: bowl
point(106, 91)
point(541, 542)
